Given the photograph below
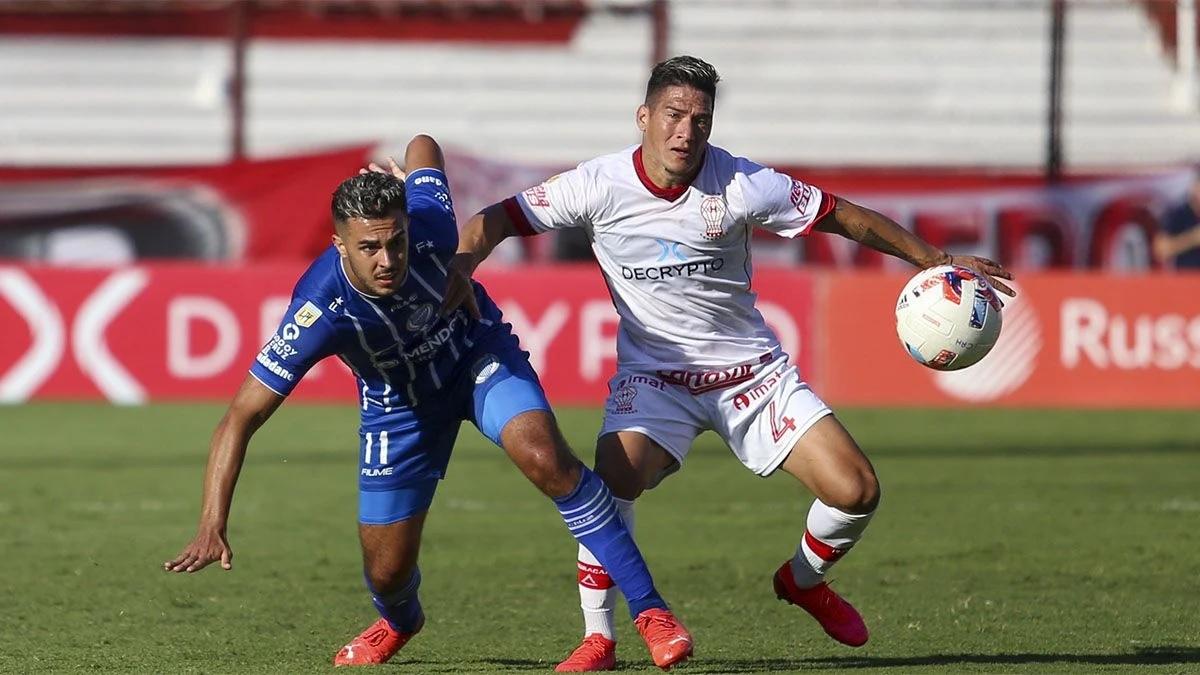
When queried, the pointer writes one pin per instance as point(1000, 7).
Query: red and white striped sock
point(597, 593)
point(829, 535)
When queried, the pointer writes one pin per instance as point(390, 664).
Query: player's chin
point(683, 165)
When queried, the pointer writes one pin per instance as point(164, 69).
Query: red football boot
point(839, 619)
point(596, 652)
point(374, 645)
point(669, 642)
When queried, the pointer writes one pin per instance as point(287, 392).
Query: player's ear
point(341, 246)
point(642, 116)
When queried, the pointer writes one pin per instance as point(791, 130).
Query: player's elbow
point(423, 152)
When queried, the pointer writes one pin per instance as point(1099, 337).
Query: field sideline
point(1007, 541)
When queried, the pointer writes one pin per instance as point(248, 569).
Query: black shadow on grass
point(1149, 656)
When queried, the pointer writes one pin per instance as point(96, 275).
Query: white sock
point(830, 534)
point(597, 594)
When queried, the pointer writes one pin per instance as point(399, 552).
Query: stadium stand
point(919, 82)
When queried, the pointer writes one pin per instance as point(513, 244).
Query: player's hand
point(208, 546)
point(990, 269)
point(459, 291)
point(393, 168)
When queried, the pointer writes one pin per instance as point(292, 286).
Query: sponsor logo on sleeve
point(281, 347)
point(421, 180)
point(536, 196)
point(307, 315)
point(801, 195)
point(273, 366)
point(290, 331)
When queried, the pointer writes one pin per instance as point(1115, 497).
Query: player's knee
point(390, 576)
point(620, 476)
point(860, 494)
point(552, 469)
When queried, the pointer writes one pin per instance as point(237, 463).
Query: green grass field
point(1007, 541)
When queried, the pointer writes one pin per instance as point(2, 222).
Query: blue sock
point(401, 608)
point(591, 516)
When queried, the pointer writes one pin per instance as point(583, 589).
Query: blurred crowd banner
point(277, 210)
point(188, 331)
point(260, 210)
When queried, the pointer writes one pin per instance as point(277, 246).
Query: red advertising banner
point(180, 332)
point(187, 332)
point(1069, 340)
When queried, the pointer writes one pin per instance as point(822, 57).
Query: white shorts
point(758, 409)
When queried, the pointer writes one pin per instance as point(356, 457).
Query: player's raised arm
point(883, 234)
point(253, 404)
point(482, 233)
point(423, 153)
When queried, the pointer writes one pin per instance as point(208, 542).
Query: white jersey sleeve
point(779, 203)
point(568, 199)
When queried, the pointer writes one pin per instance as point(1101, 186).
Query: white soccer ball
point(948, 317)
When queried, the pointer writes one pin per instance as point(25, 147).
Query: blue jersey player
point(374, 300)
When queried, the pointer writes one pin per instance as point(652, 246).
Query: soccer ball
point(948, 317)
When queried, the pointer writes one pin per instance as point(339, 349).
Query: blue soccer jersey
point(414, 367)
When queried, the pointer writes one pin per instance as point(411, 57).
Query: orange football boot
point(669, 642)
point(839, 618)
point(596, 652)
point(373, 646)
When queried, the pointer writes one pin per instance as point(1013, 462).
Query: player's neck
point(665, 180)
point(657, 179)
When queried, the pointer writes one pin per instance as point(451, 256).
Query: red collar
point(670, 194)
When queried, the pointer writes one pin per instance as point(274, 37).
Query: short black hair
point(368, 195)
point(683, 71)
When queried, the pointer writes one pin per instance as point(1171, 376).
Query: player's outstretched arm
point(253, 404)
point(883, 234)
point(482, 233)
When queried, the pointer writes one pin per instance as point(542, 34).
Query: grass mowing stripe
point(1007, 541)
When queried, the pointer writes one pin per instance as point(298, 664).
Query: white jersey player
point(670, 222)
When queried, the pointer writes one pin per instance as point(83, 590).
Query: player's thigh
point(509, 406)
point(648, 429)
point(763, 418)
point(504, 386)
point(829, 462)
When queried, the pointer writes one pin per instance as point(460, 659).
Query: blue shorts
point(400, 466)
point(391, 506)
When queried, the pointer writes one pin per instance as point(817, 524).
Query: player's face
point(675, 126)
point(375, 252)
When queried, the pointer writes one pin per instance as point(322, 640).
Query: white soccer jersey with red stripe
point(677, 261)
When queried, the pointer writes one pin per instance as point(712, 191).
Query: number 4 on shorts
point(780, 428)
